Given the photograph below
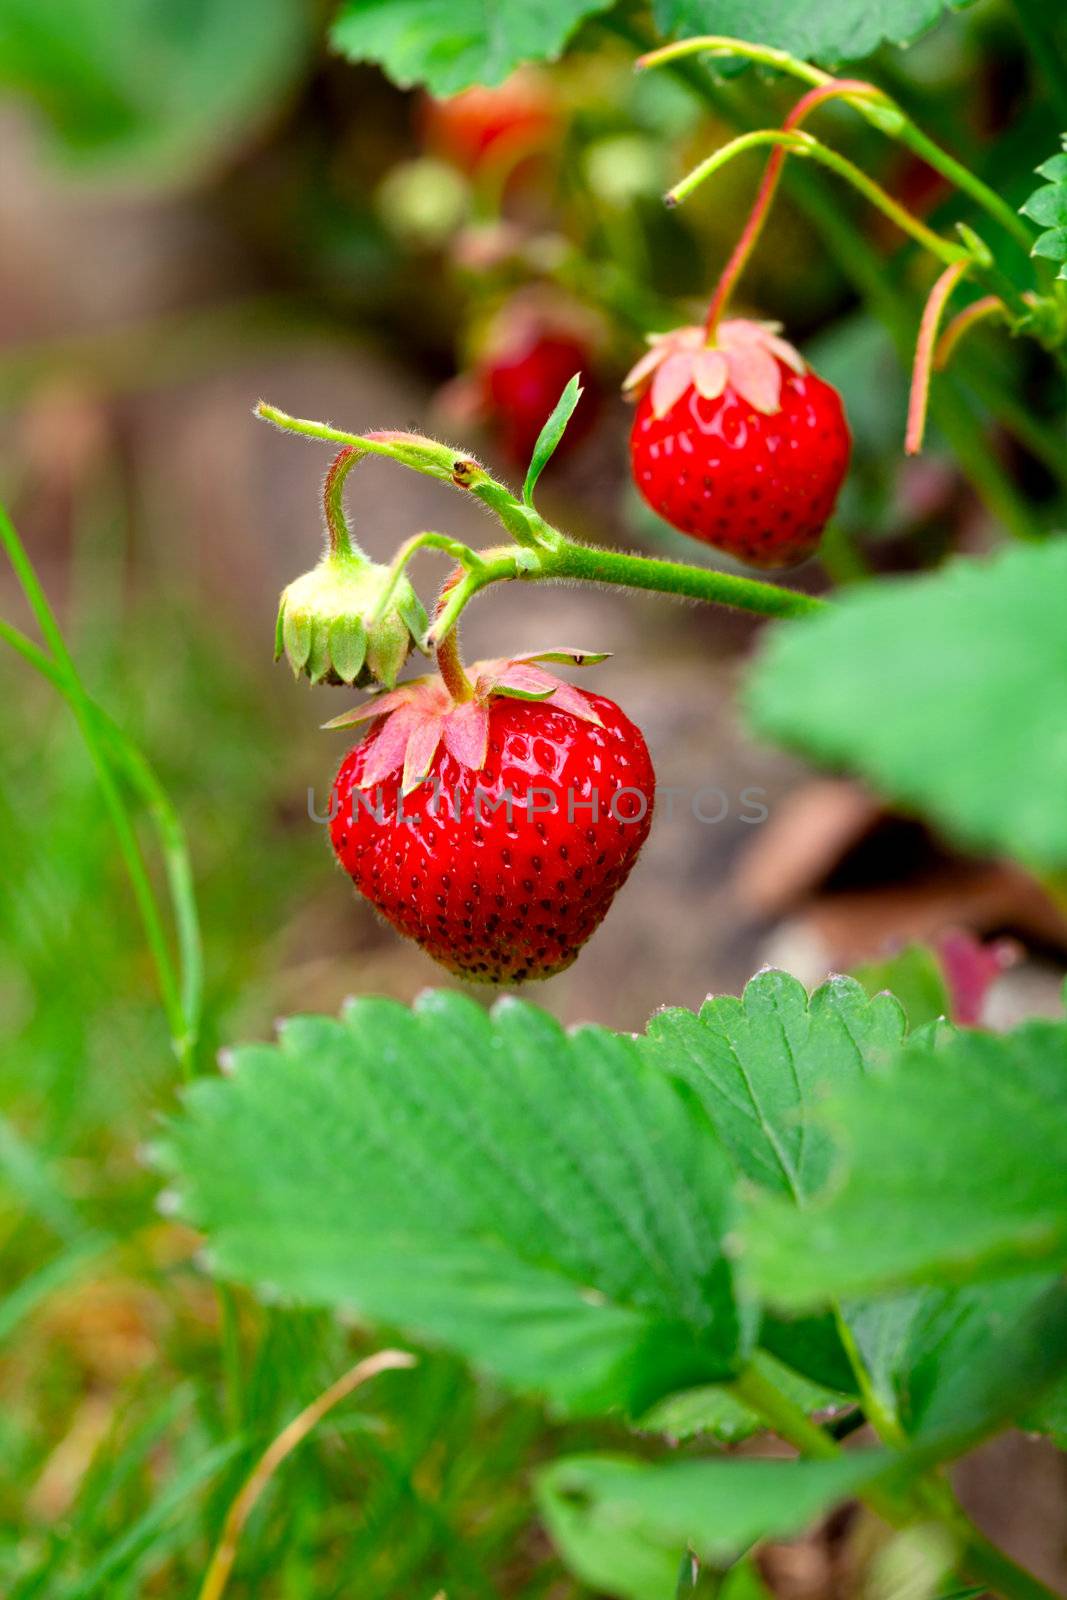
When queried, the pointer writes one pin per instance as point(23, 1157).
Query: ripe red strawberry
point(494, 832)
point(738, 442)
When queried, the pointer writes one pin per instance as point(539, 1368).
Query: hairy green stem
point(467, 558)
point(338, 531)
point(677, 578)
point(761, 207)
point(569, 562)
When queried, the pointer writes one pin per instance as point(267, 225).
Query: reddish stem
point(990, 305)
point(765, 195)
point(924, 354)
point(449, 661)
point(340, 534)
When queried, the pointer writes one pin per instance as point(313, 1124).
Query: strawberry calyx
point(748, 356)
point(329, 625)
point(421, 715)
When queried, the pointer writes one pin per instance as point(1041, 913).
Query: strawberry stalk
point(552, 556)
point(342, 543)
point(924, 355)
point(839, 88)
point(880, 110)
point(990, 305)
point(794, 142)
point(449, 661)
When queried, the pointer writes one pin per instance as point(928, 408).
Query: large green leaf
point(761, 1064)
point(159, 84)
point(1047, 206)
point(548, 1205)
point(603, 1511)
point(833, 30)
point(946, 691)
point(448, 45)
point(952, 1169)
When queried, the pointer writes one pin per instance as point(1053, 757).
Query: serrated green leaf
point(914, 976)
point(759, 1063)
point(1052, 246)
point(448, 45)
point(834, 30)
point(599, 1509)
point(952, 1170)
point(546, 1204)
point(551, 434)
point(1047, 207)
point(213, 70)
point(946, 691)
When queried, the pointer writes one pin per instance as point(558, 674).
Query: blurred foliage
point(161, 86)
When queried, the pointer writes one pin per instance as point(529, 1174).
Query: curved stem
point(803, 144)
point(469, 559)
point(924, 355)
point(338, 532)
point(990, 305)
point(449, 661)
point(883, 113)
point(836, 89)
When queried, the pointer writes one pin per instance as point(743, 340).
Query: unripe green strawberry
point(331, 621)
point(328, 628)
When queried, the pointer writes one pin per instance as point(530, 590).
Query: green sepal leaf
point(551, 434)
point(946, 694)
point(546, 1204)
point(297, 633)
point(348, 646)
point(450, 45)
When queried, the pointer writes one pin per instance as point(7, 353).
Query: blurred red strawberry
point(493, 127)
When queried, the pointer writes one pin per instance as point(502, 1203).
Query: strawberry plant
point(789, 1213)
